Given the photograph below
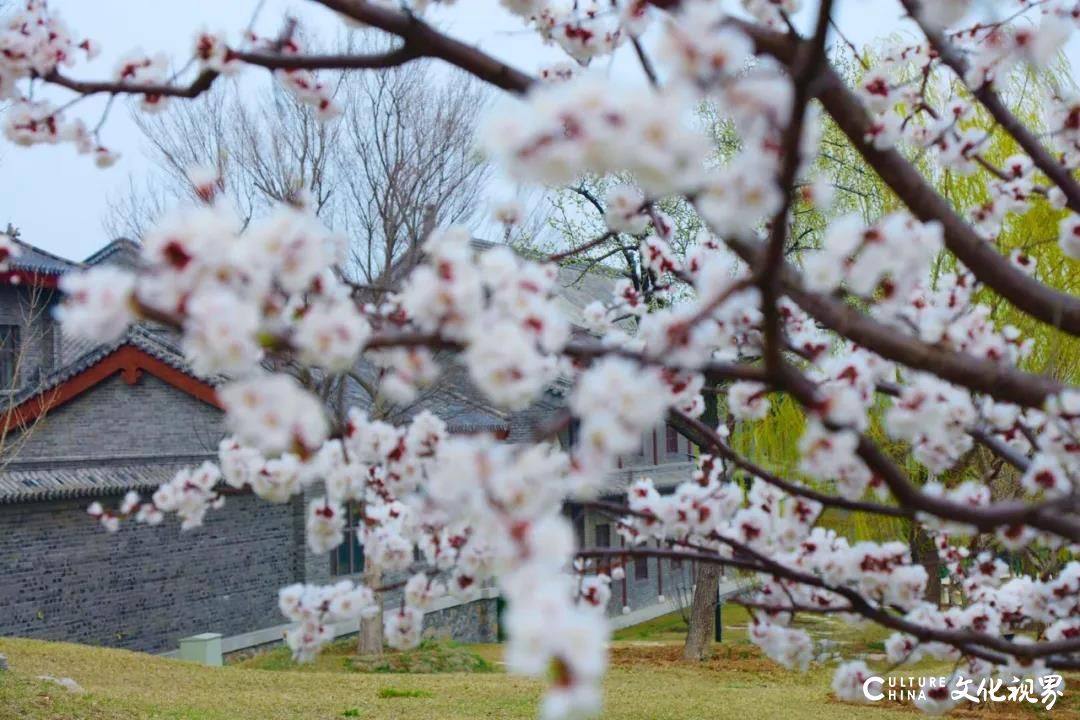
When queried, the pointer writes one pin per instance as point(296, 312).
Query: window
point(348, 559)
point(641, 568)
point(672, 440)
point(579, 528)
point(573, 433)
point(603, 540)
point(9, 356)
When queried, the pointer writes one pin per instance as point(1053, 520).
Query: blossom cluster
point(889, 257)
point(265, 311)
point(36, 43)
point(586, 125)
point(499, 305)
point(304, 85)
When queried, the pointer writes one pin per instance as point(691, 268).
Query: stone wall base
point(474, 621)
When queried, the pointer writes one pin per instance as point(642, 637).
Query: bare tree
point(403, 144)
point(409, 148)
point(208, 132)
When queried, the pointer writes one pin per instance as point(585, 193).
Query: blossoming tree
point(859, 325)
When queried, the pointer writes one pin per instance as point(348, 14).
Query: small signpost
point(719, 619)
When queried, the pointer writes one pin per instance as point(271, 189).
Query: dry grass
point(340, 656)
point(122, 685)
point(647, 680)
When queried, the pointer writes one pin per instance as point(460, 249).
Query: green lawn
point(647, 680)
point(850, 639)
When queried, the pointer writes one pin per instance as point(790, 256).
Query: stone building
point(90, 423)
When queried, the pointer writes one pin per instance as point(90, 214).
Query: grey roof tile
point(580, 287)
point(150, 340)
point(120, 251)
point(34, 259)
point(581, 282)
point(38, 481)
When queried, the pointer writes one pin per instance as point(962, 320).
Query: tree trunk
point(702, 613)
point(371, 631)
point(707, 582)
point(924, 552)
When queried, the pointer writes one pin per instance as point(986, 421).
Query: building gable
point(127, 361)
point(115, 423)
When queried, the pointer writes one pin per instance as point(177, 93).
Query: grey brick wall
point(116, 420)
point(30, 309)
point(143, 588)
point(475, 622)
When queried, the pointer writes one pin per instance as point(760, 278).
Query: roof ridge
point(110, 247)
point(478, 404)
point(64, 372)
point(136, 335)
point(46, 253)
point(110, 463)
point(19, 485)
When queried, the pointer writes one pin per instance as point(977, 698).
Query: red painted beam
point(127, 360)
point(29, 278)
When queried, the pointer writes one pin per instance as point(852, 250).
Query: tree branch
point(426, 41)
point(276, 61)
point(198, 86)
point(809, 59)
point(1058, 173)
point(1041, 302)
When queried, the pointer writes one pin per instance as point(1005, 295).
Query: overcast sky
point(58, 199)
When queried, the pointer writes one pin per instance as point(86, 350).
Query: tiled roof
point(154, 343)
point(34, 481)
point(119, 246)
point(34, 259)
point(665, 477)
point(581, 283)
point(473, 428)
point(580, 287)
point(464, 408)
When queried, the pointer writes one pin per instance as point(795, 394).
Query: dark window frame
point(603, 535)
point(641, 567)
point(348, 557)
point(10, 346)
point(602, 539)
point(672, 440)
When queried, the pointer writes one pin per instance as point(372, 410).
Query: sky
point(59, 199)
